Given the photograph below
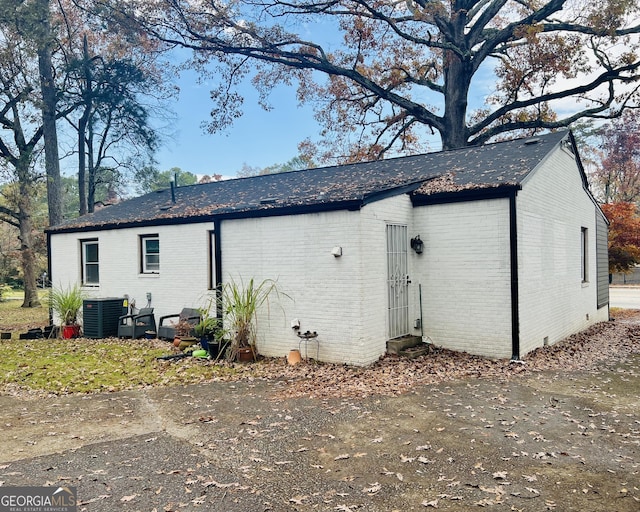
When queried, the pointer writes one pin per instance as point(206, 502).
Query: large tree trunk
point(26, 247)
point(82, 165)
point(458, 72)
point(82, 129)
point(457, 77)
point(49, 131)
point(91, 174)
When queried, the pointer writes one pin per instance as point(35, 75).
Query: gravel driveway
point(565, 439)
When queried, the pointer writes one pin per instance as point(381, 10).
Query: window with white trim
point(90, 262)
point(150, 251)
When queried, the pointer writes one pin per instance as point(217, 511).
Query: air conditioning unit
point(100, 316)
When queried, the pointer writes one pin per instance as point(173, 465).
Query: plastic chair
point(167, 331)
point(135, 325)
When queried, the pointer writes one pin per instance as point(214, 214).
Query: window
point(584, 263)
point(150, 254)
point(90, 263)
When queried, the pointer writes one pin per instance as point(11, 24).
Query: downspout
point(49, 276)
point(515, 308)
point(217, 255)
point(421, 316)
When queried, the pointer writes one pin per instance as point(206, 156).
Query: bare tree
point(18, 150)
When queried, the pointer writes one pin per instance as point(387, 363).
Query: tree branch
point(9, 216)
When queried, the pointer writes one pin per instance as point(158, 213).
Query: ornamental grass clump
point(66, 303)
point(241, 303)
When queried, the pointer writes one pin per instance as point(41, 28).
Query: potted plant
point(240, 306)
point(67, 304)
point(209, 332)
point(184, 334)
point(209, 329)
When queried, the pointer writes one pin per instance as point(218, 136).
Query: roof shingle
point(491, 165)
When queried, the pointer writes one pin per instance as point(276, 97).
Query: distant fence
point(632, 277)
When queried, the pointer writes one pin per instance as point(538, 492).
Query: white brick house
point(515, 252)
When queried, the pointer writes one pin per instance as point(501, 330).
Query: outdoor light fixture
point(417, 244)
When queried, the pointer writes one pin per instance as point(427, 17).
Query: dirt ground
point(565, 439)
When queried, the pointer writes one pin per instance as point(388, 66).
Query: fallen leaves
point(432, 503)
point(373, 488)
point(486, 443)
point(394, 375)
point(298, 500)
point(390, 376)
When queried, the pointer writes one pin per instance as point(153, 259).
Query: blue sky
point(259, 138)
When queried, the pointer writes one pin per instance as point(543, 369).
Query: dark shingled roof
point(503, 164)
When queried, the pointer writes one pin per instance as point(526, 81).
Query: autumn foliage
point(624, 236)
point(618, 175)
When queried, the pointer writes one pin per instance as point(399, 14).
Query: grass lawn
point(86, 365)
point(16, 319)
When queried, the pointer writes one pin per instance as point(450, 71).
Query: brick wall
point(343, 299)
point(297, 252)
point(552, 210)
point(183, 278)
point(465, 276)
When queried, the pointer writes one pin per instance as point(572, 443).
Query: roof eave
point(272, 211)
point(472, 194)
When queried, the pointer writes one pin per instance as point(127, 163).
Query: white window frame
point(86, 263)
point(147, 266)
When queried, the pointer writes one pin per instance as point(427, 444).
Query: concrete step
point(394, 346)
point(416, 351)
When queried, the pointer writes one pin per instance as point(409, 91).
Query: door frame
point(397, 240)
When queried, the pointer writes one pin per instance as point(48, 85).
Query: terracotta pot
point(294, 357)
point(245, 354)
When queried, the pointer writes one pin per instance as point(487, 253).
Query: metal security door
point(397, 280)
